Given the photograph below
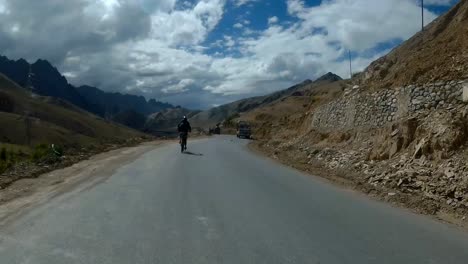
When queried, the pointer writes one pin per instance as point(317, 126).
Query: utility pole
point(350, 65)
point(27, 121)
point(422, 15)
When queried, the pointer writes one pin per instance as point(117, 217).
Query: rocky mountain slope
point(439, 53)
point(48, 81)
point(284, 118)
point(167, 120)
point(45, 79)
point(219, 114)
point(110, 104)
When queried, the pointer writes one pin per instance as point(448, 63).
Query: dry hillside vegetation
point(31, 123)
point(439, 53)
point(276, 118)
point(229, 111)
point(51, 120)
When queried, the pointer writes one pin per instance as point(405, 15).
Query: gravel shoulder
point(30, 192)
point(348, 179)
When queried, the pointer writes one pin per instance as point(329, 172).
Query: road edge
point(28, 193)
point(348, 185)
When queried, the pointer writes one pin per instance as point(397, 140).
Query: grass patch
point(44, 153)
point(16, 148)
point(11, 154)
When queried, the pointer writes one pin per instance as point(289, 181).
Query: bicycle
point(183, 141)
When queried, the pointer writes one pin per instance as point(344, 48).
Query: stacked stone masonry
point(358, 108)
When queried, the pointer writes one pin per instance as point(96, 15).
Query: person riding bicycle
point(184, 128)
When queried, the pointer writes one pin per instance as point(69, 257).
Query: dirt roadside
point(29, 192)
point(349, 180)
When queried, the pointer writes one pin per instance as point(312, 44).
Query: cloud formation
point(164, 48)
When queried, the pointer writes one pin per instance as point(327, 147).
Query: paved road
point(225, 205)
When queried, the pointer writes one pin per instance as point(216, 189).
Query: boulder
point(465, 92)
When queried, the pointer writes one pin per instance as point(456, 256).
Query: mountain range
point(44, 79)
point(211, 117)
point(28, 119)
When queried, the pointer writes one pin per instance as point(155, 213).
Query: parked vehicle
point(216, 130)
point(244, 130)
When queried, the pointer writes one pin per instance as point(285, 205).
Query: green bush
point(40, 151)
point(47, 154)
point(58, 150)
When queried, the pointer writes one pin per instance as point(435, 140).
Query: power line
point(350, 65)
point(422, 15)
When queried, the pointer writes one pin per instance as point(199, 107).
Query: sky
point(204, 53)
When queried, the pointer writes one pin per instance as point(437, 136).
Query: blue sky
point(203, 53)
point(255, 14)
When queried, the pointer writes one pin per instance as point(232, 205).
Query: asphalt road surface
point(223, 204)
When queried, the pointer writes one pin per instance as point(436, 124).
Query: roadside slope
point(439, 53)
point(232, 110)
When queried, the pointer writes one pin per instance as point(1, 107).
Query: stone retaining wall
point(358, 108)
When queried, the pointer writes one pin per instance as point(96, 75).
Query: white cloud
point(150, 5)
point(229, 41)
point(180, 87)
point(238, 25)
point(273, 20)
point(243, 2)
point(3, 7)
point(248, 31)
point(187, 27)
point(360, 24)
point(284, 55)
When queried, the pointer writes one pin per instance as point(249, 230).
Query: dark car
point(244, 130)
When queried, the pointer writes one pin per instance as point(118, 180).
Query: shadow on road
point(191, 153)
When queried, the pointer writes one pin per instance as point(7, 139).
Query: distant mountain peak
point(330, 76)
point(45, 64)
point(48, 81)
point(21, 60)
point(41, 61)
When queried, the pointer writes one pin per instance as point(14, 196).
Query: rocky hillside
point(284, 118)
point(110, 104)
point(219, 114)
point(45, 79)
point(15, 70)
point(440, 53)
point(167, 120)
